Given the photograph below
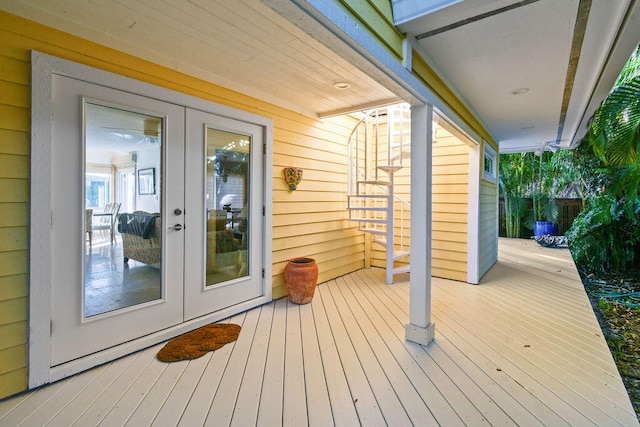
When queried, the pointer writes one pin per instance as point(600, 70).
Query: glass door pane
point(227, 200)
point(224, 257)
point(123, 247)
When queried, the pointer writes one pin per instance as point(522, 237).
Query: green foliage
point(515, 180)
point(541, 178)
point(544, 204)
point(606, 234)
point(614, 134)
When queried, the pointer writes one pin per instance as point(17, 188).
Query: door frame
point(43, 67)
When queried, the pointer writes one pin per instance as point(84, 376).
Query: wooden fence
point(568, 210)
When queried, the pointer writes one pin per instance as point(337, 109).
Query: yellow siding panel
point(462, 199)
point(453, 208)
point(295, 230)
point(13, 287)
point(451, 188)
point(446, 236)
point(13, 310)
point(13, 238)
point(450, 227)
point(15, 95)
point(14, 118)
point(12, 358)
point(14, 142)
point(301, 240)
point(448, 255)
point(459, 160)
point(450, 246)
point(312, 182)
point(288, 209)
point(12, 166)
point(13, 263)
point(14, 190)
point(13, 214)
point(14, 70)
point(322, 247)
point(447, 216)
point(446, 273)
point(310, 165)
point(13, 382)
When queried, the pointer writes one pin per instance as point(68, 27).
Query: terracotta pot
point(301, 276)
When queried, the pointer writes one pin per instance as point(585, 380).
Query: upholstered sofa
point(141, 237)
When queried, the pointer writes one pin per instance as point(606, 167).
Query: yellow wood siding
point(14, 196)
point(310, 221)
point(450, 206)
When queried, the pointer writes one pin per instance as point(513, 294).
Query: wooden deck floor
point(522, 348)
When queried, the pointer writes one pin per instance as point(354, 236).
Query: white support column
point(420, 329)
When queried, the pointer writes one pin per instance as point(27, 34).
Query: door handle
point(176, 227)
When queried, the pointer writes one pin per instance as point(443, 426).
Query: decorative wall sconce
point(292, 176)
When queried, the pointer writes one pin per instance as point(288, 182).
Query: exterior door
point(224, 214)
point(189, 242)
point(102, 304)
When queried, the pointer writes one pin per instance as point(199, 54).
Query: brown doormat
point(199, 342)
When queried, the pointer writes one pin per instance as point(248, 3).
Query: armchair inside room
point(106, 220)
point(226, 255)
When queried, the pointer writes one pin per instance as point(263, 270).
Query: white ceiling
point(246, 46)
point(488, 49)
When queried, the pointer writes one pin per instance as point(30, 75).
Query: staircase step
point(366, 209)
point(400, 254)
point(404, 269)
point(372, 230)
point(390, 168)
point(375, 182)
point(370, 220)
point(368, 196)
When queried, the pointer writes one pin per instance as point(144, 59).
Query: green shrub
point(605, 236)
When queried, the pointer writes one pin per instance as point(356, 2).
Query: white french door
point(224, 207)
point(199, 181)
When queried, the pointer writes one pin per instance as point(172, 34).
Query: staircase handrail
point(350, 178)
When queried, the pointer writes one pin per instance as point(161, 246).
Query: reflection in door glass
point(122, 256)
point(227, 202)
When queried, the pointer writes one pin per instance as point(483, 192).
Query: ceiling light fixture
point(341, 85)
point(520, 91)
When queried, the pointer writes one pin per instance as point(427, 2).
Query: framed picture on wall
point(147, 181)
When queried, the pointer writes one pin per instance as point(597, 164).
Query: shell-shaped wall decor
point(292, 177)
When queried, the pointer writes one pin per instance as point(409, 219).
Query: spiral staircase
point(377, 147)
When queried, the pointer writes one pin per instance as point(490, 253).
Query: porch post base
point(420, 335)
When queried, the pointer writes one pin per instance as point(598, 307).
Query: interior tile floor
point(112, 284)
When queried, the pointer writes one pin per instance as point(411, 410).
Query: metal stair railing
point(371, 200)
